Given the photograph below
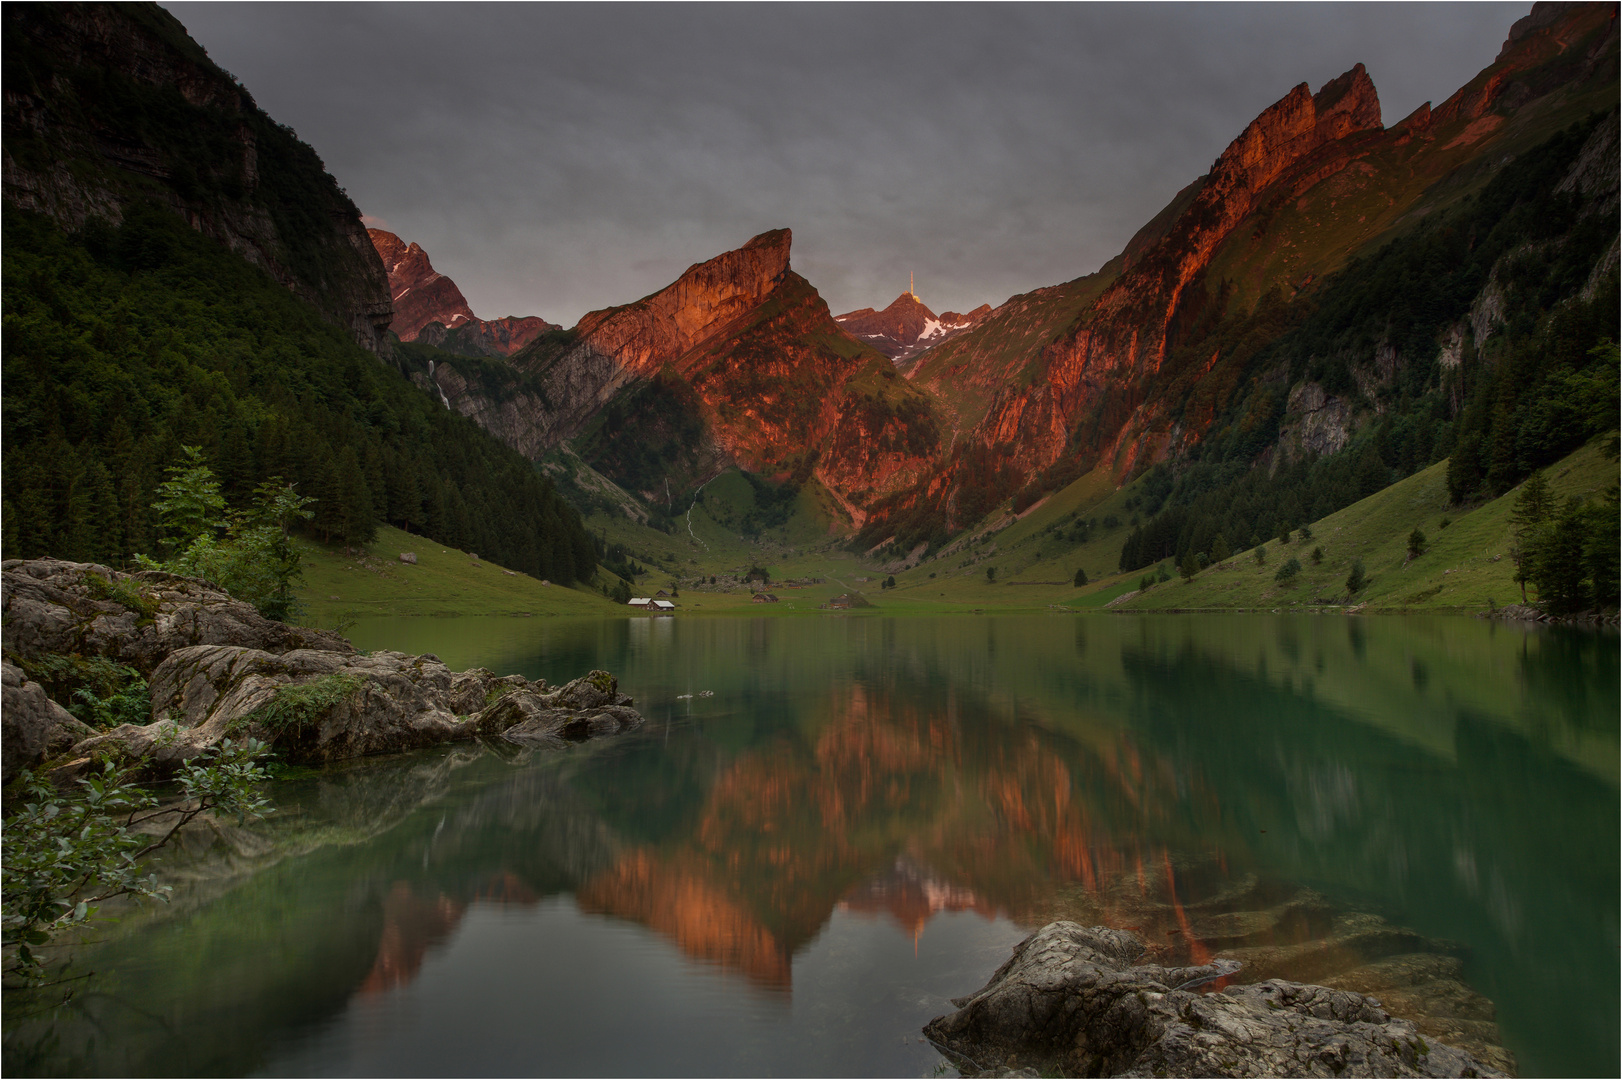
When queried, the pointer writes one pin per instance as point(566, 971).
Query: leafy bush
point(1356, 579)
point(68, 851)
point(1287, 573)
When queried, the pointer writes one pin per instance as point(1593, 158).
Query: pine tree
point(1356, 580)
point(1081, 577)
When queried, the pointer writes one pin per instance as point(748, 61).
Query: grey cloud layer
point(557, 158)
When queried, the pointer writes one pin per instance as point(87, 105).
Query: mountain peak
point(428, 305)
point(907, 327)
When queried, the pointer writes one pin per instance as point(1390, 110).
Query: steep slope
point(738, 361)
point(428, 307)
point(108, 105)
point(1180, 335)
point(907, 327)
point(180, 272)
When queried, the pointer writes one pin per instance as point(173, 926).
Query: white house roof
point(639, 601)
point(662, 604)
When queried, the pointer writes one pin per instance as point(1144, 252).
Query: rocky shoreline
point(1079, 1001)
point(218, 670)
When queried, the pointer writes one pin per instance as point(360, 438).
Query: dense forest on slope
point(123, 344)
point(1535, 390)
point(109, 104)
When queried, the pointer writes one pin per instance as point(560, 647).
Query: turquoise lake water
point(829, 826)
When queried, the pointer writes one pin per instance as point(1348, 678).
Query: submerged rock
point(1073, 1000)
point(587, 707)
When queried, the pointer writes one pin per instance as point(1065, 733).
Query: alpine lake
point(830, 825)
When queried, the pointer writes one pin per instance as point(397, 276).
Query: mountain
point(1331, 283)
point(181, 271)
point(737, 362)
point(110, 105)
point(428, 307)
point(906, 328)
point(1181, 348)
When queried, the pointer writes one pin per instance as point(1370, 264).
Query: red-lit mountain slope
point(1091, 371)
point(738, 361)
point(428, 307)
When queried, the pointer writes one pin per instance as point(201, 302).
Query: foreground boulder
point(217, 670)
point(316, 706)
point(35, 727)
point(1073, 1001)
point(53, 606)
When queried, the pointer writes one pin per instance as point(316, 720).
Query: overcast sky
point(556, 158)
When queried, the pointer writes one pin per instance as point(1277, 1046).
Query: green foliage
point(1287, 573)
point(122, 591)
point(65, 675)
point(67, 852)
point(1189, 566)
point(1081, 577)
point(298, 706)
point(1261, 555)
point(1417, 542)
point(1572, 558)
point(257, 561)
point(991, 573)
point(1305, 532)
point(124, 346)
point(189, 504)
point(1146, 582)
point(1317, 556)
point(129, 705)
point(1357, 578)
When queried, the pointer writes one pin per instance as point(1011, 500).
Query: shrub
point(1416, 543)
point(1081, 577)
point(1317, 555)
point(1286, 573)
point(1356, 579)
point(68, 851)
point(293, 708)
point(1261, 555)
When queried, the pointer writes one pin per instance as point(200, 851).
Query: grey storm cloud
point(556, 158)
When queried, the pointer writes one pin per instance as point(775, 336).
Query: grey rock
point(35, 727)
point(53, 606)
point(588, 707)
point(385, 702)
point(1073, 1000)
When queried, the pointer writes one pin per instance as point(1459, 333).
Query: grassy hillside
point(445, 581)
point(1466, 568)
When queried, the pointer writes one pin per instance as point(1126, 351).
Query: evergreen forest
point(122, 345)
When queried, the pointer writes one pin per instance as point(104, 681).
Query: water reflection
point(1414, 808)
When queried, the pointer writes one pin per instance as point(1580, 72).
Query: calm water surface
point(852, 819)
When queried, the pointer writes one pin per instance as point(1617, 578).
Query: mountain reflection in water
point(1291, 792)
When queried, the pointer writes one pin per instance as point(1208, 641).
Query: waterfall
point(435, 381)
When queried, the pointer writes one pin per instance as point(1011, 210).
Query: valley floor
point(1466, 567)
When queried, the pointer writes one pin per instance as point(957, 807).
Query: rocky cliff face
point(1124, 335)
point(420, 294)
point(428, 307)
point(738, 361)
point(108, 104)
point(906, 328)
point(1303, 189)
